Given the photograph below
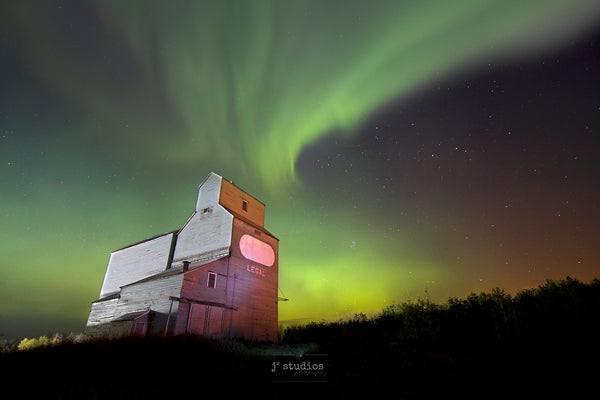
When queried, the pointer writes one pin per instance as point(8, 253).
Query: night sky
point(403, 149)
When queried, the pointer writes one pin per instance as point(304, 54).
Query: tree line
point(560, 311)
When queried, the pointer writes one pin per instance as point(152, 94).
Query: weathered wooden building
point(216, 276)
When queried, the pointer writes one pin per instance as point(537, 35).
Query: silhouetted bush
point(538, 339)
point(558, 311)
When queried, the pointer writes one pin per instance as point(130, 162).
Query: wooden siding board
point(209, 191)
point(145, 295)
point(256, 293)
point(194, 285)
point(252, 295)
point(136, 262)
point(153, 294)
point(232, 198)
point(194, 289)
point(206, 236)
point(244, 301)
point(181, 323)
point(205, 320)
point(102, 312)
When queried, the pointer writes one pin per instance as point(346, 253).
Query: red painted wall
point(243, 302)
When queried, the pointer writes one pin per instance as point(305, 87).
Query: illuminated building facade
point(217, 276)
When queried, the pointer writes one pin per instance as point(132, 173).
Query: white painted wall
point(207, 235)
point(136, 262)
point(152, 293)
point(102, 312)
point(209, 192)
point(140, 296)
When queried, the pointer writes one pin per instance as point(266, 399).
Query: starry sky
point(403, 148)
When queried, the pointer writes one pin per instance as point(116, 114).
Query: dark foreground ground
point(154, 368)
point(543, 342)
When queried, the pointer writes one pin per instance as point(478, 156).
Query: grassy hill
point(540, 342)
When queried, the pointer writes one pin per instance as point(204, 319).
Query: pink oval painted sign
point(255, 250)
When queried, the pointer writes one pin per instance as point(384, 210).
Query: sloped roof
point(112, 296)
point(252, 224)
point(160, 275)
point(146, 240)
point(132, 315)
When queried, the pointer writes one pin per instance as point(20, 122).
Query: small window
point(211, 282)
point(244, 205)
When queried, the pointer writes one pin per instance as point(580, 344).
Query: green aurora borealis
point(112, 113)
